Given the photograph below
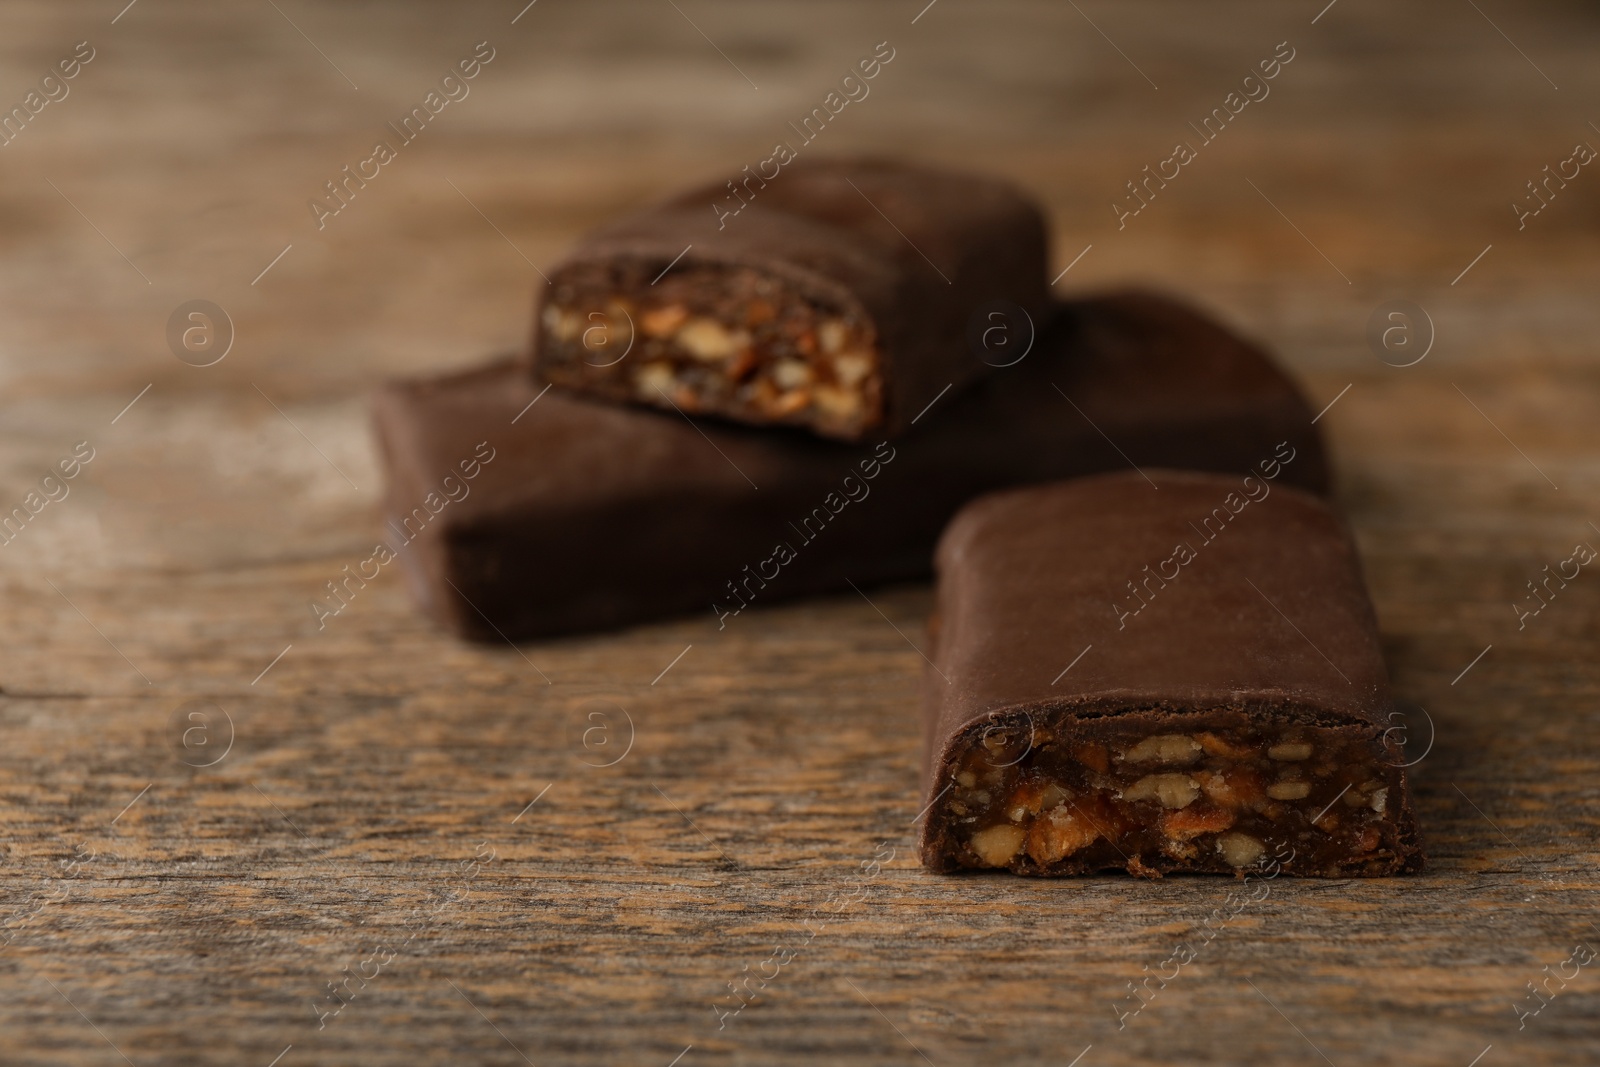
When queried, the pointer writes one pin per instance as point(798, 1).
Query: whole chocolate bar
point(1177, 679)
point(587, 515)
point(837, 298)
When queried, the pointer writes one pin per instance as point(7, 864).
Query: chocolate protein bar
point(1186, 678)
point(837, 299)
point(590, 515)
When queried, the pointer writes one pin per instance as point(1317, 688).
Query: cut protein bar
point(837, 299)
point(1182, 678)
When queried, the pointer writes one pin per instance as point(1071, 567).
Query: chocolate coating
point(903, 255)
point(1072, 622)
point(593, 516)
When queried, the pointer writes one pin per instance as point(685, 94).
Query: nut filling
point(1218, 797)
point(715, 340)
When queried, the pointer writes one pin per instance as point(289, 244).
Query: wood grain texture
point(155, 912)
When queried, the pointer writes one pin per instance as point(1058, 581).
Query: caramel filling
point(1221, 799)
point(713, 340)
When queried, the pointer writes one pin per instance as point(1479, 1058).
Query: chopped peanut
point(1032, 796)
point(1059, 833)
point(839, 403)
point(1240, 850)
point(791, 374)
point(1164, 748)
point(653, 379)
point(849, 369)
point(663, 321)
point(1169, 790)
point(1233, 788)
point(832, 334)
point(707, 339)
point(997, 844)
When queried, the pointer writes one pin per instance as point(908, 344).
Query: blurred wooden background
point(158, 912)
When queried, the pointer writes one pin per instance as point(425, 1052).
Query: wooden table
point(467, 828)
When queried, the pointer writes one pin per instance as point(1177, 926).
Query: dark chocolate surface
point(593, 516)
point(1262, 624)
point(915, 251)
